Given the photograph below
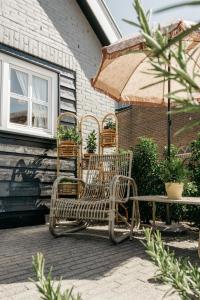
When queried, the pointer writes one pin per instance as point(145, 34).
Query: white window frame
point(6, 63)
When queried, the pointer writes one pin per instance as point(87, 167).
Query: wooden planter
point(108, 138)
point(68, 188)
point(67, 149)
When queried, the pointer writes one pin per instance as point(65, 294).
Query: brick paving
point(96, 269)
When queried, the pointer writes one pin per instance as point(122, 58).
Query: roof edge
point(110, 18)
point(101, 20)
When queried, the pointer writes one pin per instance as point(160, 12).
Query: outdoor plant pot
point(68, 188)
point(67, 148)
point(174, 190)
point(108, 137)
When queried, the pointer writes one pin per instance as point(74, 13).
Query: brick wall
point(137, 121)
point(57, 31)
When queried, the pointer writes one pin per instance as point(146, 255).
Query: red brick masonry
point(136, 121)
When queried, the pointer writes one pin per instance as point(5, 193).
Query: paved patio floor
point(96, 269)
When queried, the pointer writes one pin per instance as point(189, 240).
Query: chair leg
point(132, 220)
point(137, 214)
point(111, 228)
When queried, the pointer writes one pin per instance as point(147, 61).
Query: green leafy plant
point(146, 172)
point(190, 189)
point(193, 212)
point(194, 163)
point(110, 124)
point(181, 4)
point(179, 273)
point(91, 142)
point(68, 134)
point(46, 286)
point(173, 170)
point(146, 166)
point(173, 151)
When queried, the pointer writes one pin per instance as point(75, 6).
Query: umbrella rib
point(132, 74)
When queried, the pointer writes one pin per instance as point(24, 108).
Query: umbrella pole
point(169, 117)
point(169, 129)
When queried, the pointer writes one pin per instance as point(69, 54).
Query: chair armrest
point(120, 188)
point(57, 181)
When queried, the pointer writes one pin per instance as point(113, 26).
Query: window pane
point(40, 116)
point(18, 111)
point(40, 88)
point(19, 82)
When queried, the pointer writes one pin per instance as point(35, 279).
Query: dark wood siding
point(28, 164)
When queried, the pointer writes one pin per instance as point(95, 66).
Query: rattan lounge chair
point(108, 186)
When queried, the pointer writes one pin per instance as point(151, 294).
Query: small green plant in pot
point(174, 174)
point(68, 134)
point(110, 124)
point(108, 134)
point(68, 140)
point(91, 141)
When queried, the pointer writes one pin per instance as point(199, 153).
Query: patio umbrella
point(122, 73)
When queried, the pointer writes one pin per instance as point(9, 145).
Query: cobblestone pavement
point(96, 269)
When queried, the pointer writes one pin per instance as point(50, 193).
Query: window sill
point(13, 137)
point(37, 132)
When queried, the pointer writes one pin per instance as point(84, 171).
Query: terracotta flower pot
point(174, 190)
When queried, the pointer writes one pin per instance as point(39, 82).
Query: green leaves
point(173, 170)
point(142, 16)
point(131, 23)
point(46, 286)
point(91, 142)
point(177, 5)
point(179, 273)
point(68, 134)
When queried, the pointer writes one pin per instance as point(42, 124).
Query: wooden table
point(164, 199)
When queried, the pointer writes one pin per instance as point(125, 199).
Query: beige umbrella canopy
point(122, 73)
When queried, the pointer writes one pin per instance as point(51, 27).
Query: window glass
point(18, 111)
point(19, 82)
point(28, 97)
point(39, 116)
point(40, 88)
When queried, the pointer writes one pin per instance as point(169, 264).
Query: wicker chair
point(108, 186)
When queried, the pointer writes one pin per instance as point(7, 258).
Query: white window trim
point(8, 62)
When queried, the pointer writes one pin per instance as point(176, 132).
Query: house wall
point(137, 121)
point(58, 32)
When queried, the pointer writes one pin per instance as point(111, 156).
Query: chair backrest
point(102, 169)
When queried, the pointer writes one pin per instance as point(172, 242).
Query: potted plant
point(110, 124)
point(174, 175)
point(91, 143)
point(108, 135)
point(68, 141)
point(67, 187)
